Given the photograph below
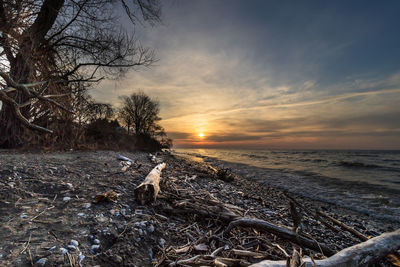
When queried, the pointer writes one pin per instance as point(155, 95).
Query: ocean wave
point(355, 164)
point(254, 156)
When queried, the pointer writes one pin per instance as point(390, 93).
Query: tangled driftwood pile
point(241, 238)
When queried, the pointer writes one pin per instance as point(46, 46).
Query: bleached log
point(362, 254)
point(148, 190)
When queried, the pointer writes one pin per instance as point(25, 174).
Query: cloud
point(264, 71)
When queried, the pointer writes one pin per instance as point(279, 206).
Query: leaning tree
point(52, 50)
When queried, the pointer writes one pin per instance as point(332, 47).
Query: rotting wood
point(362, 254)
point(148, 190)
point(280, 232)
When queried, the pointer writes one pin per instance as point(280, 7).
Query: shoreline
point(373, 200)
point(34, 207)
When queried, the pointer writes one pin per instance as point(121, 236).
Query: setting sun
point(201, 134)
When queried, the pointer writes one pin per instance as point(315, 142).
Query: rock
point(201, 247)
point(81, 258)
point(96, 241)
point(141, 224)
point(140, 232)
point(41, 262)
point(72, 247)
point(81, 214)
point(52, 248)
point(101, 218)
point(150, 229)
point(66, 199)
point(74, 242)
point(70, 186)
point(116, 259)
point(162, 242)
point(23, 216)
point(94, 249)
point(63, 250)
point(87, 205)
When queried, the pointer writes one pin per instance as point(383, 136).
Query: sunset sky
point(273, 74)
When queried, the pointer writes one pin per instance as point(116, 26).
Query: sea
point(361, 180)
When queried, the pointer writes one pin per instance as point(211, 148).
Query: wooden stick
point(148, 190)
point(281, 232)
point(362, 254)
point(344, 227)
point(315, 215)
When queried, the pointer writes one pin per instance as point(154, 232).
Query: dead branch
point(315, 215)
point(32, 95)
point(362, 254)
point(344, 227)
point(281, 232)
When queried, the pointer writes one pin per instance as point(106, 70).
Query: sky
point(272, 74)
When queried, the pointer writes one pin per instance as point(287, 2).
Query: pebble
point(71, 187)
point(52, 248)
point(117, 259)
point(150, 228)
point(162, 242)
point(101, 218)
point(81, 214)
point(74, 242)
point(41, 262)
point(72, 247)
point(96, 241)
point(23, 216)
point(140, 231)
point(81, 258)
point(141, 224)
point(66, 199)
point(94, 249)
point(87, 205)
point(63, 250)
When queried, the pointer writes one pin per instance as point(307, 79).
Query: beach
point(46, 204)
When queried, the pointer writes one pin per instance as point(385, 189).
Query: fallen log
point(148, 190)
point(362, 254)
point(282, 233)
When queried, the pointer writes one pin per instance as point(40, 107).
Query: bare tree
point(53, 49)
point(140, 111)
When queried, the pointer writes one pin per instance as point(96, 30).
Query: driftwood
point(362, 254)
point(282, 233)
point(148, 190)
point(315, 215)
point(212, 208)
point(344, 227)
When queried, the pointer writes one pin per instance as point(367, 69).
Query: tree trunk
point(11, 128)
point(21, 69)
